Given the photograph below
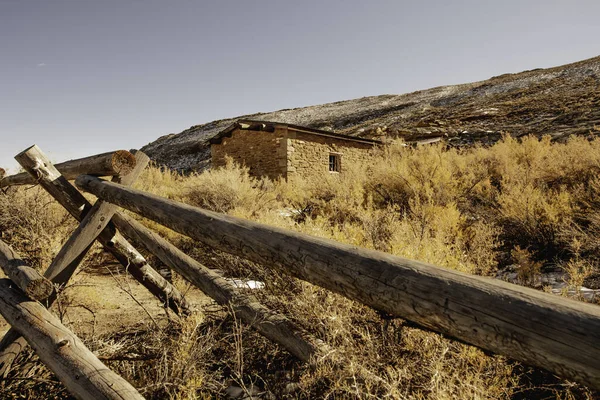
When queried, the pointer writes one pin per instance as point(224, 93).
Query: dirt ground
point(104, 301)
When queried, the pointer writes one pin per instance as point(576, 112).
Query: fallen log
point(273, 326)
point(540, 329)
point(84, 376)
point(120, 162)
point(30, 281)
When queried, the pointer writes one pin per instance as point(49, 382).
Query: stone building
point(278, 150)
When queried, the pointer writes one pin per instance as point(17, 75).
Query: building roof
point(267, 126)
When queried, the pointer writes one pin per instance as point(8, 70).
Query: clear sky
point(81, 77)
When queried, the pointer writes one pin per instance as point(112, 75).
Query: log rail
point(120, 162)
point(540, 329)
point(78, 368)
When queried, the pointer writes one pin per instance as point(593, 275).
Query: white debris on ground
point(290, 212)
point(246, 284)
point(556, 281)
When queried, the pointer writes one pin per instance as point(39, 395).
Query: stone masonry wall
point(308, 154)
point(263, 152)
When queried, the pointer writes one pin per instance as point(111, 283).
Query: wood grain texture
point(540, 329)
point(273, 326)
point(12, 344)
point(120, 162)
point(66, 261)
point(84, 376)
point(29, 280)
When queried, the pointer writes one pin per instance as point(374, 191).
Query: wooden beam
point(84, 376)
point(11, 345)
point(273, 326)
point(551, 332)
point(66, 261)
point(26, 278)
point(120, 162)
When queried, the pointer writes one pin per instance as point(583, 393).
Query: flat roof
point(269, 126)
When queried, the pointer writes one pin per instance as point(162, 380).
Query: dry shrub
point(530, 202)
point(528, 270)
point(228, 188)
point(538, 190)
point(34, 224)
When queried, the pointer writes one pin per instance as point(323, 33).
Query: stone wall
point(288, 154)
point(308, 154)
point(263, 152)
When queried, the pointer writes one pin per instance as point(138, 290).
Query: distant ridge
point(558, 101)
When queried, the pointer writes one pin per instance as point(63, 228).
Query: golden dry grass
point(529, 203)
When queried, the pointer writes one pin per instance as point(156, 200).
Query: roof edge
point(269, 126)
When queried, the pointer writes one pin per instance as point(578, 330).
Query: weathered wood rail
point(554, 333)
point(78, 368)
point(119, 162)
point(29, 280)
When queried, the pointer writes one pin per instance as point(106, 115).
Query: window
point(334, 162)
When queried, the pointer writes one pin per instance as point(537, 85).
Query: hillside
point(558, 101)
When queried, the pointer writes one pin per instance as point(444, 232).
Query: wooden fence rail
point(554, 333)
point(273, 326)
point(119, 162)
point(29, 280)
point(78, 368)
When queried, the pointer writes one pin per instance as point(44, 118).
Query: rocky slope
point(558, 101)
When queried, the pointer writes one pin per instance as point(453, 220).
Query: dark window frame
point(335, 162)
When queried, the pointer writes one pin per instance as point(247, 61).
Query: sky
point(82, 77)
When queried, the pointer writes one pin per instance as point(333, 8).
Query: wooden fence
point(540, 329)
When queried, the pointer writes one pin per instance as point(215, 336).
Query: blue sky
point(81, 77)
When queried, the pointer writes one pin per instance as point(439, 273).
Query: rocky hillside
point(558, 101)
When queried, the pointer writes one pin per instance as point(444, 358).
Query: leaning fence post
point(64, 264)
point(37, 164)
point(78, 368)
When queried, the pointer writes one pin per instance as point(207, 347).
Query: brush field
point(525, 207)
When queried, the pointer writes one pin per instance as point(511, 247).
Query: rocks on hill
point(558, 101)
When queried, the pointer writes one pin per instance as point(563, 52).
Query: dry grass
point(531, 204)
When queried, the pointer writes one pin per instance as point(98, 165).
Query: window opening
point(334, 162)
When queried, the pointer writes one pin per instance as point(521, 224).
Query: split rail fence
point(536, 328)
